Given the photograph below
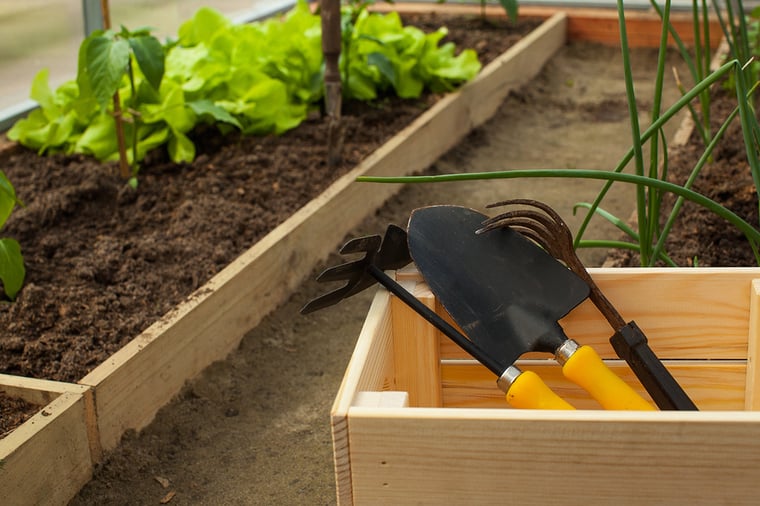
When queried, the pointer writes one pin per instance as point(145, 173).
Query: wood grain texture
point(472, 452)
point(415, 350)
point(719, 385)
point(47, 459)
point(452, 456)
point(682, 316)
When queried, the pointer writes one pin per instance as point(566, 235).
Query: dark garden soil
point(700, 237)
point(104, 261)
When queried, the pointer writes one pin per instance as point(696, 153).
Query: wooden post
point(117, 114)
point(331, 42)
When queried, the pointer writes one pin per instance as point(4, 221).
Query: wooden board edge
point(407, 455)
point(752, 400)
point(378, 314)
point(36, 391)
point(48, 458)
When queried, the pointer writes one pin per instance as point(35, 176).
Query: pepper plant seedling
point(12, 271)
point(105, 58)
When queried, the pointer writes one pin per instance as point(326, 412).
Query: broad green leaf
point(208, 108)
point(408, 85)
point(181, 148)
point(171, 110)
point(99, 139)
point(511, 8)
point(384, 65)
point(8, 198)
point(202, 27)
point(12, 271)
point(151, 138)
point(149, 54)
point(41, 92)
point(31, 131)
point(106, 63)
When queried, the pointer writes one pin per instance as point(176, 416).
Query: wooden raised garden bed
point(79, 422)
point(414, 420)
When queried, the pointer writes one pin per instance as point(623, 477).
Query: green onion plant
point(648, 152)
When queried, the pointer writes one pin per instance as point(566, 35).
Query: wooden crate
point(416, 421)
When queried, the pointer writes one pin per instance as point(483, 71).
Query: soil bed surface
point(105, 261)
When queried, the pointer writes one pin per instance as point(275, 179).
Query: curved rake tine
point(369, 244)
point(341, 272)
point(326, 300)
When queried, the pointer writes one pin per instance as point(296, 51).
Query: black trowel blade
point(504, 291)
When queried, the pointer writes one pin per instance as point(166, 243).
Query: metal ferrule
point(508, 377)
point(566, 351)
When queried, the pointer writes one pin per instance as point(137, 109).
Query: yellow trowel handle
point(583, 366)
point(526, 389)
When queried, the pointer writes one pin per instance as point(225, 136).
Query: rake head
point(390, 252)
point(539, 223)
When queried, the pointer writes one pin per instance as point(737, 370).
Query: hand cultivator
point(507, 295)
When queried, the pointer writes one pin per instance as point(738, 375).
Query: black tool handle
point(631, 345)
point(432, 317)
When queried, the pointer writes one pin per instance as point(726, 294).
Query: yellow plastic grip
point(586, 369)
point(530, 391)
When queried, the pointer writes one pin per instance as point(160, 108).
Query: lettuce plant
point(259, 78)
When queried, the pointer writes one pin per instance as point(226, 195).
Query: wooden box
point(416, 421)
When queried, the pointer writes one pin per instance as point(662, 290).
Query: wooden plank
point(451, 456)
point(415, 350)
point(370, 368)
point(36, 391)
point(715, 385)
point(683, 318)
point(382, 399)
point(642, 28)
point(599, 25)
point(47, 459)
point(753, 349)
point(43, 392)
point(144, 375)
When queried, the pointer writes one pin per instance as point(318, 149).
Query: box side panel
point(415, 350)
point(753, 348)
point(685, 313)
point(370, 369)
point(47, 459)
point(714, 385)
point(413, 457)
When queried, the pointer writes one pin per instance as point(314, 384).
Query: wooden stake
point(117, 113)
point(331, 42)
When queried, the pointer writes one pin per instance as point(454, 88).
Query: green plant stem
point(609, 244)
point(130, 72)
point(654, 128)
point(638, 155)
point(748, 230)
point(690, 181)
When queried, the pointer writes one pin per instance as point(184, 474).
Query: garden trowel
point(507, 295)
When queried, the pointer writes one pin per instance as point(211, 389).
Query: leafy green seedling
point(12, 271)
point(105, 58)
point(259, 78)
